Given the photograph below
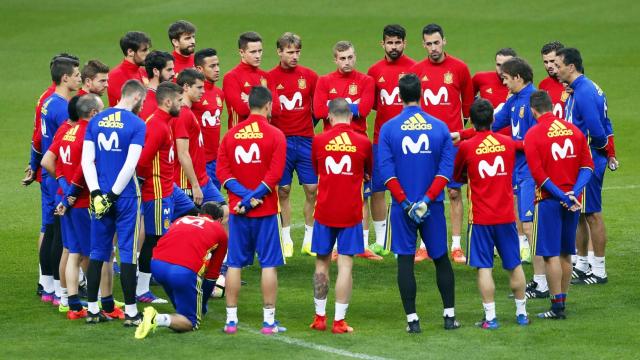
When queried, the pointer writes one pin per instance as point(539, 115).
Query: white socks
point(47, 283)
point(412, 317)
point(341, 311)
point(163, 320)
point(489, 311)
point(524, 243)
point(365, 238)
point(591, 256)
point(582, 264)
point(57, 288)
point(308, 235)
point(449, 312)
point(321, 306)
point(455, 242)
point(93, 307)
point(143, 283)
point(269, 315)
point(541, 280)
point(598, 267)
point(521, 306)
point(232, 314)
point(131, 310)
point(64, 297)
point(286, 234)
point(380, 228)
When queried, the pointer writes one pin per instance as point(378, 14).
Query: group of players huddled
point(144, 177)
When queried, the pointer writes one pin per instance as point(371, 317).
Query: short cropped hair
point(167, 89)
point(342, 45)
point(62, 67)
point(72, 108)
point(339, 107)
point(432, 29)
point(198, 58)
point(259, 97)
point(212, 209)
point(62, 56)
point(410, 88)
point(189, 77)
point(93, 68)
point(571, 56)
point(179, 28)
point(247, 37)
point(481, 114)
point(518, 67)
point(506, 52)
point(156, 60)
point(132, 87)
point(394, 30)
point(86, 104)
point(540, 101)
point(287, 39)
point(134, 40)
point(551, 46)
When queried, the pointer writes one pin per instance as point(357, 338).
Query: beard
point(187, 51)
point(137, 107)
point(174, 111)
point(394, 54)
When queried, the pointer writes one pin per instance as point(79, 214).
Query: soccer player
point(241, 79)
point(209, 108)
point(182, 35)
point(387, 104)
point(135, 47)
point(488, 84)
point(586, 108)
point(159, 66)
point(54, 113)
point(251, 160)
point(485, 162)
point(295, 87)
point(561, 164)
point(551, 83)
point(191, 176)
point(187, 263)
point(112, 147)
point(447, 94)
point(95, 76)
point(342, 159)
point(416, 140)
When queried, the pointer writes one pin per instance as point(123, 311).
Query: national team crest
point(263, 82)
point(521, 113)
point(448, 78)
point(302, 84)
point(353, 89)
point(166, 223)
point(219, 101)
point(564, 96)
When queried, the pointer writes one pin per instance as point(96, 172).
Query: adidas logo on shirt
point(280, 87)
point(70, 135)
point(341, 143)
point(490, 145)
point(416, 122)
point(557, 128)
point(251, 131)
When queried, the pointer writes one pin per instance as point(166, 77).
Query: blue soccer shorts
point(377, 181)
point(525, 196)
point(211, 171)
point(454, 184)
point(211, 193)
point(350, 239)
point(77, 224)
point(123, 219)
point(483, 238)
point(554, 229)
point(592, 194)
point(48, 190)
point(299, 159)
point(184, 288)
point(182, 204)
point(248, 236)
point(404, 231)
point(158, 215)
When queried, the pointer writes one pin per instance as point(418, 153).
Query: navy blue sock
point(107, 303)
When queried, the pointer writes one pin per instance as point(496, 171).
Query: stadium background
point(602, 320)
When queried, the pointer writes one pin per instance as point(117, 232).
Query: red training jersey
point(121, 74)
point(295, 88)
point(207, 112)
point(355, 87)
point(556, 150)
point(67, 146)
point(157, 160)
point(447, 91)
point(486, 163)
point(341, 157)
point(149, 105)
point(557, 92)
point(387, 101)
point(237, 84)
point(489, 86)
point(195, 242)
point(253, 152)
point(186, 126)
point(181, 62)
point(36, 137)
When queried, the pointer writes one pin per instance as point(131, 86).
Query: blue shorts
point(182, 204)
point(184, 288)
point(48, 189)
point(250, 235)
point(554, 229)
point(482, 239)
point(592, 194)
point(77, 223)
point(211, 171)
point(433, 231)
point(350, 240)
point(299, 159)
point(377, 182)
point(366, 189)
point(122, 220)
point(211, 193)
point(454, 184)
point(158, 214)
point(525, 196)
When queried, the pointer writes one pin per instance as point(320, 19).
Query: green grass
point(602, 320)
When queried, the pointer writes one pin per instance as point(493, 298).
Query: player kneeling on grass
point(338, 216)
point(486, 163)
point(187, 262)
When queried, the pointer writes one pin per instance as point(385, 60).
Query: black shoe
point(531, 285)
point(536, 294)
point(450, 323)
point(590, 279)
point(553, 314)
point(579, 274)
point(132, 321)
point(39, 290)
point(97, 318)
point(413, 327)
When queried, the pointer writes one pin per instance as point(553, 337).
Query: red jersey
point(556, 150)
point(355, 87)
point(295, 89)
point(36, 137)
point(557, 92)
point(207, 112)
point(489, 86)
point(149, 105)
point(67, 146)
point(195, 242)
point(486, 162)
point(253, 152)
point(181, 62)
point(157, 160)
point(447, 91)
point(341, 157)
point(237, 84)
point(185, 126)
point(119, 75)
point(387, 101)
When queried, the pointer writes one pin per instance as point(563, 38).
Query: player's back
point(295, 89)
point(69, 153)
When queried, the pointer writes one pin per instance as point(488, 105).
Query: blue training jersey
point(415, 147)
point(53, 114)
point(586, 108)
point(112, 131)
point(516, 113)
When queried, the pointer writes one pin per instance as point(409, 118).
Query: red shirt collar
point(347, 75)
point(208, 85)
point(247, 67)
point(129, 66)
point(256, 117)
point(546, 117)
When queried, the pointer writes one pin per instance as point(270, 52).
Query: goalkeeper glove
point(421, 209)
point(102, 203)
point(408, 208)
